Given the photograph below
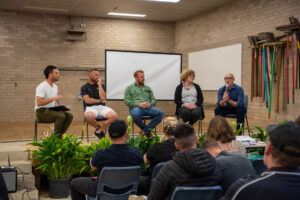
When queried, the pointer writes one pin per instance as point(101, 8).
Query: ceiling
point(155, 11)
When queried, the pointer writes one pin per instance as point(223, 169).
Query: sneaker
point(99, 135)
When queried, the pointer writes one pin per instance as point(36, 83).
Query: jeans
point(81, 186)
point(239, 111)
point(156, 114)
point(61, 120)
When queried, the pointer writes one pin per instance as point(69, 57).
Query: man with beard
point(94, 96)
point(46, 97)
point(141, 101)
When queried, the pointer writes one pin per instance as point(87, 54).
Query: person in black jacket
point(189, 98)
point(189, 167)
point(281, 181)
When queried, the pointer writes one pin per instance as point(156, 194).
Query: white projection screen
point(162, 72)
point(211, 65)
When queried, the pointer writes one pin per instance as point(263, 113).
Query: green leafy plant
point(201, 139)
point(58, 158)
point(261, 135)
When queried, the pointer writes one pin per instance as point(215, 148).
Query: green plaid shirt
point(134, 95)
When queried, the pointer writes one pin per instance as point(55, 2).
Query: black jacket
point(178, 97)
point(195, 167)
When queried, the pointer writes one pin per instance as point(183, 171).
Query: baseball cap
point(117, 129)
point(285, 135)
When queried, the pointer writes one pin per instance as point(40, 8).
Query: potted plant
point(59, 160)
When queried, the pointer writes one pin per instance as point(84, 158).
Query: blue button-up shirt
point(235, 94)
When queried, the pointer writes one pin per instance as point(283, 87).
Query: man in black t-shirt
point(119, 154)
point(94, 96)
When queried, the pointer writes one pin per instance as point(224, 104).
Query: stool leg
point(247, 124)
point(35, 130)
point(87, 132)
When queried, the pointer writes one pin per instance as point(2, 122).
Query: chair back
point(156, 170)
point(197, 193)
point(84, 105)
point(258, 165)
point(117, 183)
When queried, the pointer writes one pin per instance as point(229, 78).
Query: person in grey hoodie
point(188, 167)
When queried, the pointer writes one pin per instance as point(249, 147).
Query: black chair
point(156, 170)
point(197, 193)
point(245, 116)
point(36, 122)
point(259, 165)
point(144, 118)
point(200, 120)
point(123, 180)
point(98, 119)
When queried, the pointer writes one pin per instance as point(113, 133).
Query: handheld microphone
point(226, 88)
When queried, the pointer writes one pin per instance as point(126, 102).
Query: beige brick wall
point(29, 42)
point(232, 24)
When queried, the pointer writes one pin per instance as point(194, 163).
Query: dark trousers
point(239, 111)
point(144, 185)
point(3, 189)
point(82, 186)
point(190, 116)
point(61, 120)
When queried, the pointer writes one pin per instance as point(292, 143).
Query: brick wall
point(29, 42)
point(232, 24)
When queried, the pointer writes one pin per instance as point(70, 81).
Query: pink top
point(234, 146)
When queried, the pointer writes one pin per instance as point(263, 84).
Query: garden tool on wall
point(271, 82)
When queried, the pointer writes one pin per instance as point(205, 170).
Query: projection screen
point(162, 72)
point(211, 65)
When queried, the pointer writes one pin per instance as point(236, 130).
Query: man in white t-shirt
point(46, 97)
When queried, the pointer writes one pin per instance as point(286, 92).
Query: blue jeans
point(156, 114)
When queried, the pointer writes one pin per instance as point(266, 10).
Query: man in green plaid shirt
point(141, 101)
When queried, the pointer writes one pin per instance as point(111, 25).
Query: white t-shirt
point(45, 91)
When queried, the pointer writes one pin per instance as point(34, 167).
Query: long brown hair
point(220, 130)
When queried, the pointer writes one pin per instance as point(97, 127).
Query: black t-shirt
point(160, 152)
point(92, 91)
point(117, 155)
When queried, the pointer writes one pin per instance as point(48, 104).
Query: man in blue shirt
point(119, 154)
point(231, 100)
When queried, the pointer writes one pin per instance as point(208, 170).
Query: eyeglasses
point(228, 78)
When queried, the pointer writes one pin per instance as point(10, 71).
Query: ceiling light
point(168, 1)
point(126, 14)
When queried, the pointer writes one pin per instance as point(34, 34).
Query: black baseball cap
point(285, 135)
point(117, 129)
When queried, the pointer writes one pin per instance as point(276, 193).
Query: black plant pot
point(59, 188)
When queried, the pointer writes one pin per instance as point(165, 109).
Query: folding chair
point(156, 170)
point(258, 165)
point(144, 118)
point(200, 120)
point(117, 183)
point(245, 116)
point(98, 118)
point(36, 122)
point(197, 193)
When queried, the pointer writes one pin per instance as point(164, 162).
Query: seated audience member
point(141, 101)
point(46, 97)
point(3, 189)
point(94, 96)
point(119, 154)
point(159, 152)
point(189, 167)
point(282, 178)
point(231, 100)
point(233, 166)
point(221, 131)
point(188, 98)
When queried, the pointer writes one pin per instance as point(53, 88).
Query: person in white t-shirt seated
point(46, 97)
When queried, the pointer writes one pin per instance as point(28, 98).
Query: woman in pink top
point(220, 130)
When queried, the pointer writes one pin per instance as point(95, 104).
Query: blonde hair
point(185, 74)
point(168, 124)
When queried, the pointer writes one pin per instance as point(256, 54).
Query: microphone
point(226, 88)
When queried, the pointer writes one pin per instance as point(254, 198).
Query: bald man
point(231, 100)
